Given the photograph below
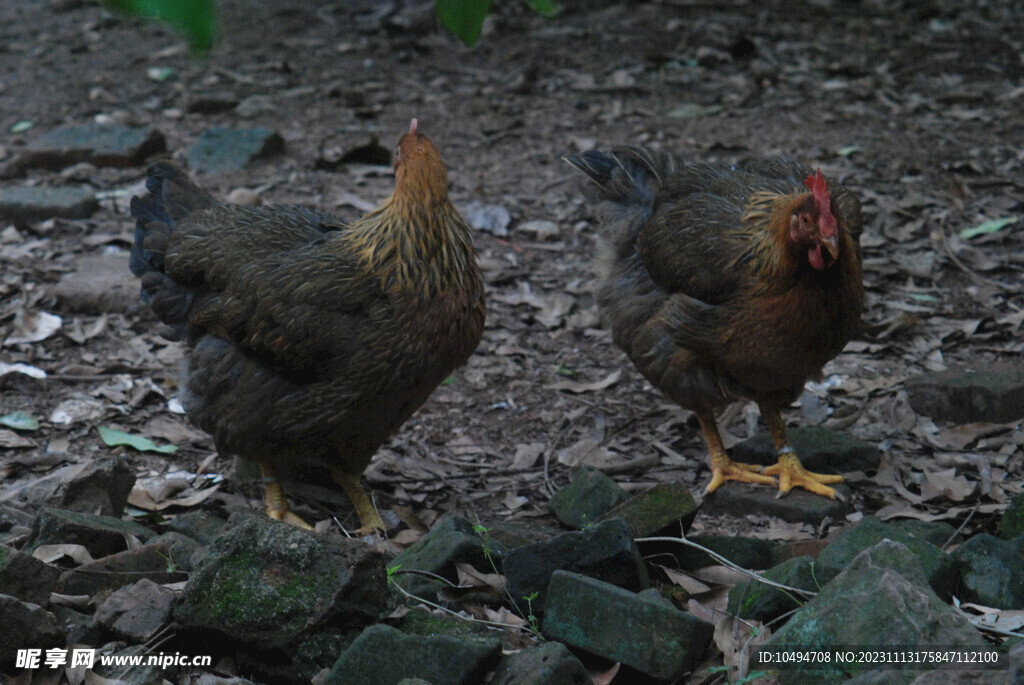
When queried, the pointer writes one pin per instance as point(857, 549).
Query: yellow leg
point(722, 467)
point(790, 471)
point(368, 516)
point(277, 505)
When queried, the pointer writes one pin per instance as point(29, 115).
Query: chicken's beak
point(831, 245)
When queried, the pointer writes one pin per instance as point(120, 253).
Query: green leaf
point(849, 150)
point(113, 438)
point(195, 19)
point(21, 126)
point(19, 421)
point(464, 18)
point(987, 227)
point(449, 381)
point(564, 370)
point(545, 8)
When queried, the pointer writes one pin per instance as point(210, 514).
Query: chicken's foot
point(368, 516)
point(722, 467)
point(277, 504)
point(790, 471)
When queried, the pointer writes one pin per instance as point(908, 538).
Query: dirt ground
point(916, 106)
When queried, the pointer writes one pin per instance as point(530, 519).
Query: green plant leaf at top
point(195, 19)
point(987, 227)
point(545, 8)
point(19, 421)
point(114, 437)
point(464, 18)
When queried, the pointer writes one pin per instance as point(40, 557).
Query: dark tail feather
point(172, 196)
point(629, 176)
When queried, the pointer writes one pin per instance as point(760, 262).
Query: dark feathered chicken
point(309, 340)
point(728, 283)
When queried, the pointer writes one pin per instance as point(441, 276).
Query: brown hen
point(309, 340)
point(725, 283)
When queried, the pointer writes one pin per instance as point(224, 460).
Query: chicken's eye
point(805, 220)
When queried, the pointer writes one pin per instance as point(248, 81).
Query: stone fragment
point(101, 535)
point(1012, 523)
point(602, 619)
point(26, 625)
point(23, 205)
point(747, 552)
point(100, 486)
point(198, 524)
point(153, 561)
point(605, 551)
point(549, 664)
point(856, 609)
point(993, 394)
point(762, 602)
point(820, 449)
point(268, 585)
point(451, 541)
point(100, 283)
point(80, 628)
point(382, 654)
point(25, 577)
point(99, 144)
point(667, 508)
point(919, 537)
point(589, 495)
point(992, 571)
point(798, 506)
point(211, 103)
point(180, 549)
point(221, 149)
point(138, 611)
point(493, 219)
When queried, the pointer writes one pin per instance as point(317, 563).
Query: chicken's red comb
point(413, 124)
point(817, 185)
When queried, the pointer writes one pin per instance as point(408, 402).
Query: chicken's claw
point(723, 468)
point(792, 474)
point(277, 505)
point(367, 512)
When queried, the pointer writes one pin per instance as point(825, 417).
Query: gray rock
point(137, 612)
point(820, 450)
point(605, 551)
point(100, 283)
point(202, 526)
point(101, 535)
point(966, 395)
point(25, 626)
point(267, 585)
point(100, 486)
point(25, 577)
point(589, 495)
point(153, 561)
point(81, 629)
point(23, 205)
point(98, 144)
point(451, 541)
point(181, 549)
point(762, 602)
point(747, 552)
point(798, 506)
point(611, 622)
point(919, 537)
point(221, 149)
point(1012, 523)
point(549, 664)
point(856, 609)
point(666, 508)
point(385, 655)
point(992, 571)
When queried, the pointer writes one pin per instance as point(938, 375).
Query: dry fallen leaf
point(580, 386)
point(32, 327)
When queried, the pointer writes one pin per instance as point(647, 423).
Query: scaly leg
point(277, 505)
point(368, 515)
point(790, 471)
point(722, 467)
